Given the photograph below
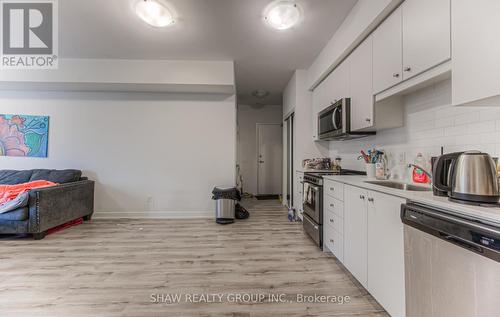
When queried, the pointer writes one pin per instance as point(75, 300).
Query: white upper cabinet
point(355, 232)
point(340, 85)
point(388, 53)
point(332, 88)
point(386, 273)
point(426, 34)
point(476, 52)
point(319, 98)
point(361, 89)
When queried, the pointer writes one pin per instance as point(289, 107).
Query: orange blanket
point(10, 192)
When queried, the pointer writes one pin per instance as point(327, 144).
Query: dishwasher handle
point(461, 242)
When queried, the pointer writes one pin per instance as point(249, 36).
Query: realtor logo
point(29, 34)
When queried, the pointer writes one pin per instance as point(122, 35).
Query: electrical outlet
point(401, 158)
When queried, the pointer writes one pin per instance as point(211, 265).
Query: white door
point(355, 232)
point(388, 53)
point(386, 270)
point(426, 35)
point(361, 86)
point(269, 158)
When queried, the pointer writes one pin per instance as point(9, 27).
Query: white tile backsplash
point(430, 122)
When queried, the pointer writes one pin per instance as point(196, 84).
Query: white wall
point(126, 75)
point(298, 99)
point(173, 148)
point(430, 122)
point(306, 148)
point(248, 117)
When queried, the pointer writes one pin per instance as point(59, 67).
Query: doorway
point(269, 158)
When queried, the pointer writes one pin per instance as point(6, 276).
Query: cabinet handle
point(407, 69)
point(332, 205)
point(395, 75)
point(370, 199)
point(331, 220)
point(368, 120)
point(331, 240)
point(361, 197)
point(332, 189)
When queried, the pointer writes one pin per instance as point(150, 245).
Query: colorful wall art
point(22, 135)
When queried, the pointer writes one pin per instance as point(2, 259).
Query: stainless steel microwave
point(334, 123)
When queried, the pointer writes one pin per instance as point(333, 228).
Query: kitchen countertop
point(484, 214)
point(303, 170)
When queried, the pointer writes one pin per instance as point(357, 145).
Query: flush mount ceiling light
point(154, 12)
point(282, 14)
point(260, 93)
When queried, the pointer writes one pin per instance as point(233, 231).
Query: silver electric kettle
point(471, 177)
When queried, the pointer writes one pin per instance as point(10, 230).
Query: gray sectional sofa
point(48, 207)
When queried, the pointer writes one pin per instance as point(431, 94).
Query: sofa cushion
point(14, 227)
point(19, 214)
point(12, 177)
point(56, 176)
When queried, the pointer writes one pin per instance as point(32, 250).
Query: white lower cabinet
point(333, 241)
point(386, 272)
point(333, 218)
point(374, 246)
point(355, 232)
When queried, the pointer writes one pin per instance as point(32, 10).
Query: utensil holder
point(370, 170)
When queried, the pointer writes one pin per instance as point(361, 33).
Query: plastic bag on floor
point(292, 215)
point(241, 212)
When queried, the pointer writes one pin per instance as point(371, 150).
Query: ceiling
point(206, 30)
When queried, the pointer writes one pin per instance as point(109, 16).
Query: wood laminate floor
point(118, 268)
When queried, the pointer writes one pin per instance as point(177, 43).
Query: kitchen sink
point(401, 186)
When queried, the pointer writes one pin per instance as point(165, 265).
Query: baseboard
point(154, 215)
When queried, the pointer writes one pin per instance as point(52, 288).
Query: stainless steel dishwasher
point(452, 264)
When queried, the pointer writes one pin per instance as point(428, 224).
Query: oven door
point(313, 230)
point(312, 202)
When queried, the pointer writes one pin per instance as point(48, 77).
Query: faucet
point(420, 168)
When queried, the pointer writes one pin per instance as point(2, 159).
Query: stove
point(313, 202)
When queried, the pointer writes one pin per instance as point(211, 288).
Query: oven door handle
point(315, 188)
point(311, 223)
